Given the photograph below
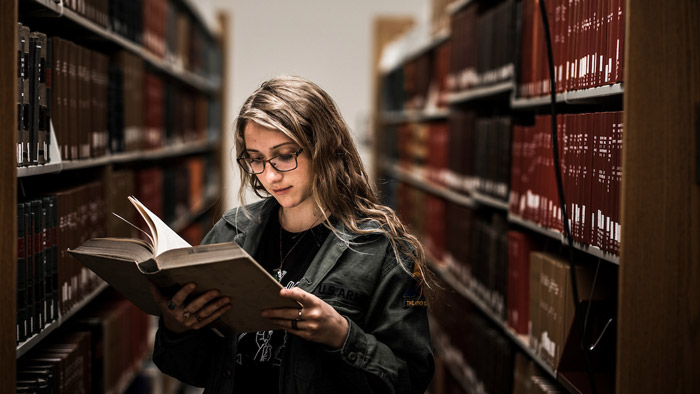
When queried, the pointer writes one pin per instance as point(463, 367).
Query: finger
point(212, 307)
point(287, 324)
point(155, 292)
point(182, 294)
point(306, 299)
point(282, 313)
point(207, 320)
point(201, 301)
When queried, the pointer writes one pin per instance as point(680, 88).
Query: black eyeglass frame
point(241, 162)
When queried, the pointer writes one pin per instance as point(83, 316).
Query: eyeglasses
point(281, 163)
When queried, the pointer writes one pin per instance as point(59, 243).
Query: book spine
point(22, 332)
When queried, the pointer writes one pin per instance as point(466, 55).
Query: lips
point(281, 190)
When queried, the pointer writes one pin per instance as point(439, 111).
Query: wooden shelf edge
point(588, 249)
point(181, 149)
point(395, 117)
point(25, 346)
point(490, 201)
point(457, 5)
point(404, 175)
point(573, 97)
point(480, 92)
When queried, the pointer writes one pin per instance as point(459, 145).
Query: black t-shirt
point(259, 354)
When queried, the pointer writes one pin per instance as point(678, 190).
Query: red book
point(518, 288)
point(515, 170)
point(620, 54)
point(617, 184)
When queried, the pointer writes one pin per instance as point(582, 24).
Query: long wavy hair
point(340, 187)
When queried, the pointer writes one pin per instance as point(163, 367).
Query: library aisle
point(550, 170)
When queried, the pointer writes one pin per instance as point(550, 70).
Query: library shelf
point(584, 96)
point(457, 5)
point(406, 50)
point(190, 217)
point(481, 92)
point(396, 117)
point(464, 291)
point(196, 81)
point(485, 199)
point(181, 149)
point(413, 178)
point(460, 371)
point(589, 249)
point(25, 346)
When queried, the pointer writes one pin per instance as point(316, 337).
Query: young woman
point(320, 231)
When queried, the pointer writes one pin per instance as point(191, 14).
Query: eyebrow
point(273, 148)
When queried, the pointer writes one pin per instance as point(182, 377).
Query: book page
point(164, 238)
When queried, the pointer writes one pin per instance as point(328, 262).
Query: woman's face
point(292, 188)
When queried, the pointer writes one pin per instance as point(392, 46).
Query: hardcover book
point(169, 262)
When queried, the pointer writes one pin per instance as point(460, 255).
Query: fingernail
point(265, 314)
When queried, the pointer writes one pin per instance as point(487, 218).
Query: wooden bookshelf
point(659, 261)
point(659, 286)
point(60, 20)
point(8, 191)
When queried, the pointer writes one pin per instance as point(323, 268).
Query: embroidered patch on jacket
point(414, 292)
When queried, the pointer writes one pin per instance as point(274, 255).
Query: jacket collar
point(249, 230)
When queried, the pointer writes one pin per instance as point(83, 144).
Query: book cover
point(169, 262)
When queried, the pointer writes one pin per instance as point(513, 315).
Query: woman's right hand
point(179, 317)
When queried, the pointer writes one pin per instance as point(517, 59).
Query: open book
point(170, 262)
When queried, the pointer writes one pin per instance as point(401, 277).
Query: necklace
point(278, 271)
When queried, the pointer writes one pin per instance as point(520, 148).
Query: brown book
point(169, 262)
point(23, 138)
point(535, 296)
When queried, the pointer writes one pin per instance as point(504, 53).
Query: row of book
point(150, 111)
point(99, 104)
point(98, 352)
point(590, 152)
point(467, 153)
point(33, 110)
point(472, 243)
point(482, 360)
point(164, 28)
point(177, 190)
point(587, 45)
point(49, 281)
point(483, 45)
point(481, 357)
point(526, 288)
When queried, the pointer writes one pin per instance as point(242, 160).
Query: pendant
point(278, 274)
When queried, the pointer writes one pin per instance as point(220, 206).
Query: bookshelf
point(8, 191)
point(195, 157)
point(658, 264)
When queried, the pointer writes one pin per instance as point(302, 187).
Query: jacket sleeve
point(395, 348)
point(192, 357)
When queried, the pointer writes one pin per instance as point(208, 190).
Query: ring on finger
point(186, 315)
point(199, 318)
point(294, 324)
point(171, 305)
point(299, 314)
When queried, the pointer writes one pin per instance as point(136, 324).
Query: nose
point(271, 174)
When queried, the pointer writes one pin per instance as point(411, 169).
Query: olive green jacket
point(387, 349)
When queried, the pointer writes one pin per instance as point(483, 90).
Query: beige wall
point(329, 42)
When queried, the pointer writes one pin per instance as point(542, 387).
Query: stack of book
point(483, 42)
point(590, 151)
point(587, 45)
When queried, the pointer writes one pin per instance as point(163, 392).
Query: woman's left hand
point(316, 321)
